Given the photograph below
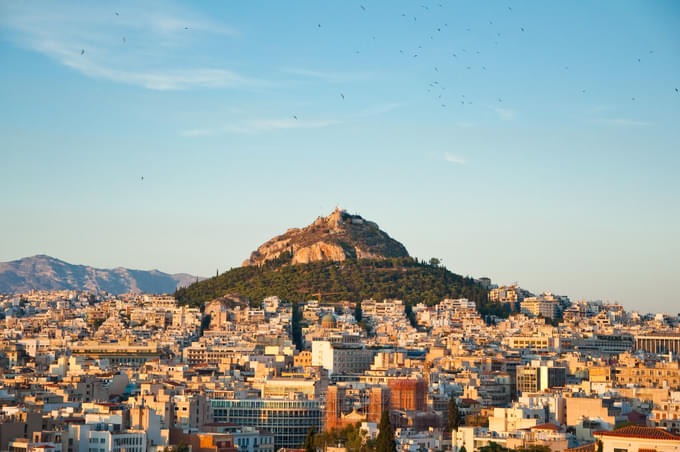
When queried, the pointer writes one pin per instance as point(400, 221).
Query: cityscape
point(86, 371)
point(467, 215)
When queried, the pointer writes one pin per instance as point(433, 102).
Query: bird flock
point(466, 59)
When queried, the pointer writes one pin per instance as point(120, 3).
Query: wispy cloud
point(624, 122)
point(504, 113)
point(333, 77)
point(146, 58)
point(169, 24)
point(171, 79)
point(258, 125)
point(453, 159)
point(378, 109)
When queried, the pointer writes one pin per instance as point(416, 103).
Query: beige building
point(638, 439)
point(662, 375)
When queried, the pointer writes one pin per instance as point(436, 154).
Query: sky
point(531, 142)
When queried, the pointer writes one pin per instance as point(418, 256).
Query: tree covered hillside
point(354, 280)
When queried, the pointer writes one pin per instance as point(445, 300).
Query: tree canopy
point(453, 418)
point(402, 278)
point(385, 441)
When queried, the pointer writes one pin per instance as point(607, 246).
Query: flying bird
point(117, 13)
point(123, 39)
point(319, 25)
point(676, 90)
point(343, 96)
point(82, 52)
point(295, 117)
point(363, 7)
point(186, 28)
point(521, 28)
point(142, 177)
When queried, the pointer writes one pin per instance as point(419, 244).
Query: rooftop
point(638, 431)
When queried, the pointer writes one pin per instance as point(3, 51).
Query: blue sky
point(535, 142)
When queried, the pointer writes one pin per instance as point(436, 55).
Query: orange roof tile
point(638, 431)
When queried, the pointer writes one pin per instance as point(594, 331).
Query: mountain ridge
point(43, 272)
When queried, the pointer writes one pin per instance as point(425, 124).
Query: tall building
point(379, 401)
point(289, 420)
point(537, 377)
point(341, 401)
point(342, 355)
point(538, 307)
point(407, 394)
point(335, 396)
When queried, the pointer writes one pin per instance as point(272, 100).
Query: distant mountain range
point(47, 273)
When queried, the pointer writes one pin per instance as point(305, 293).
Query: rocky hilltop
point(47, 273)
point(337, 237)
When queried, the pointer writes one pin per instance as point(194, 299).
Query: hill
point(337, 237)
point(356, 279)
point(47, 273)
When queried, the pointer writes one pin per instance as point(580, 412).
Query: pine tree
point(296, 327)
point(309, 441)
point(358, 314)
point(385, 441)
point(453, 415)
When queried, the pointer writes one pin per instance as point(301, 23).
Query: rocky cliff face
point(337, 237)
